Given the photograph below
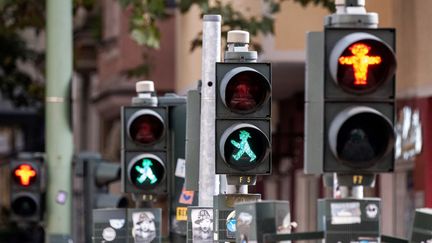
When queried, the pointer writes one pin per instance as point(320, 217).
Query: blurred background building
point(102, 83)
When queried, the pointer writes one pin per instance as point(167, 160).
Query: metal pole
point(59, 143)
point(210, 55)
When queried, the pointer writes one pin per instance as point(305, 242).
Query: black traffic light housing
point(144, 149)
point(243, 112)
point(26, 195)
point(359, 100)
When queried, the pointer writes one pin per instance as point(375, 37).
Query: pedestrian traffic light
point(243, 111)
point(358, 96)
point(26, 190)
point(97, 174)
point(144, 153)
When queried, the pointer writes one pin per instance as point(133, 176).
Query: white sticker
point(345, 213)
point(117, 223)
point(371, 210)
point(180, 168)
point(108, 234)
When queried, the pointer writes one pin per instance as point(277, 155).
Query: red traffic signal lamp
point(361, 62)
point(144, 149)
point(25, 174)
point(243, 112)
point(25, 190)
point(359, 93)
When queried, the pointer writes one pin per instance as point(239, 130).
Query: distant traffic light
point(97, 175)
point(144, 154)
point(243, 112)
point(358, 96)
point(26, 189)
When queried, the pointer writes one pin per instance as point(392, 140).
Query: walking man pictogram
point(146, 172)
point(243, 147)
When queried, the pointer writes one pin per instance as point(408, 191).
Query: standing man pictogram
point(360, 61)
point(25, 173)
point(243, 146)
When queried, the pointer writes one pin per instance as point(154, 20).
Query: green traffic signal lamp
point(146, 171)
point(244, 146)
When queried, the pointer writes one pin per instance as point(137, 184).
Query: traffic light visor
point(146, 127)
point(244, 146)
point(24, 174)
point(361, 136)
point(360, 63)
point(244, 90)
point(146, 171)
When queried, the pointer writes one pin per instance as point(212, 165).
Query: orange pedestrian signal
point(360, 60)
point(25, 174)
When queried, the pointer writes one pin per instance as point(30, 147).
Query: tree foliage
point(17, 15)
point(146, 13)
point(17, 85)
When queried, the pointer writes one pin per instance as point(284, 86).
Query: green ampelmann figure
point(243, 146)
point(146, 172)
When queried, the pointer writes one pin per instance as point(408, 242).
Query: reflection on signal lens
point(246, 92)
point(24, 206)
point(363, 139)
point(146, 129)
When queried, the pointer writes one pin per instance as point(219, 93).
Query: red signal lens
point(146, 129)
point(365, 65)
point(360, 61)
point(246, 92)
point(25, 174)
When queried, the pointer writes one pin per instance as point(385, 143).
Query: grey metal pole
point(211, 49)
point(59, 144)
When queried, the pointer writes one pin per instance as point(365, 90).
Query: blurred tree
point(146, 13)
point(17, 85)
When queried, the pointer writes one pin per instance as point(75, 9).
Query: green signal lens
point(147, 172)
point(244, 146)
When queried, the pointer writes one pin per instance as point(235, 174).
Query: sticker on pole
point(186, 197)
point(180, 168)
point(181, 213)
point(202, 225)
point(345, 213)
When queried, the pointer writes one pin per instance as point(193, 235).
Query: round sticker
point(108, 234)
point(371, 210)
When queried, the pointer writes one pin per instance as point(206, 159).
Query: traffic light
point(350, 96)
point(26, 190)
point(144, 149)
point(350, 117)
point(243, 112)
point(359, 100)
point(97, 174)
